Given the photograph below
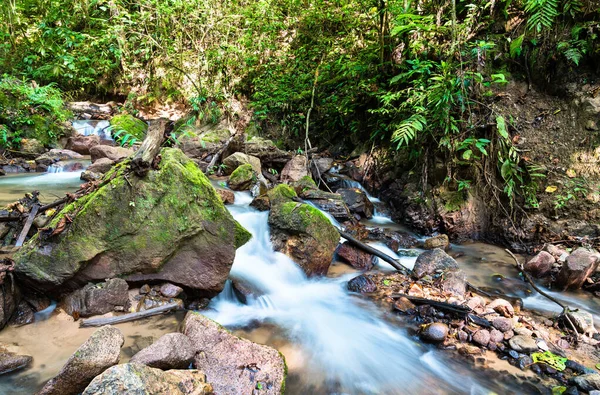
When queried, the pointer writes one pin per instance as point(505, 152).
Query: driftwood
point(11, 218)
point(447, 307)
point(95, 110)
point(144, 157)
point(527, 277)
point(397, 265)
point(128, 317)
point(32, 214)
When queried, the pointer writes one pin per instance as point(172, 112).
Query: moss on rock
point(280, 194)
point(170, 225)
point(242, 178)
point(306, 183)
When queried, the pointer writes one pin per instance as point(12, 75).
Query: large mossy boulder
point(242, 178)
point(167, 226)
point(301, 231)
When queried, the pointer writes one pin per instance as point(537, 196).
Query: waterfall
point(91, 127)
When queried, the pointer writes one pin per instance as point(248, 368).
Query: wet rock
point(540, 265)
point(134, 378)
point(404, 305)
point(440, 241)
point(23, 315)
point(171, 351)
point(429, 262)
point(89, 176)
point(463, 336)
point(295, 169)
point(583, 321)
point(261, 203)
point(578, 368)
point(242, 178)
point(502, 324)
point(435, 333)
point(555, 251)
point(97, 354)
point(169, 290)
point(454, 282)
point(36, 301)
point(394, 240)
point(232, 364)
point(588, 382)
point(227, 196)
point(177, 230)
point(145, 289)
point(362, 284)
point(577, 268)
point(9, 362)
point(115, 154)
point(237, 159)
point(82, 144)
point(96, 299)
point(331, 203)
point(524, 362)
point(55, 155)
point(320, 166)
point(523, 344)
point(357, 202)
point(10, 296)
point(355, 257)
point(245, 290)
point(101, 165)
point(301, 232)
point(482, 337)
point(502, 306)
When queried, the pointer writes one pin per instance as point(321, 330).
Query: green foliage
point(30, 111)
point(127, 129)
point(572, 190)
point(554, 361)
point(541, 13)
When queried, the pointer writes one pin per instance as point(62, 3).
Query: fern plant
point(541, 14)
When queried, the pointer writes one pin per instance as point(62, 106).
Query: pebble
point(496, 336)
point(502, 324)
point(524, 362)
point(435, 332)
point(404, 305)
point(508, 335)
point(524, 344)
point(482, 337)
point(463, 336)
point(523, 331)
point(542, 345)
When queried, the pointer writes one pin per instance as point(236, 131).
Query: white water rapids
point(347, 345)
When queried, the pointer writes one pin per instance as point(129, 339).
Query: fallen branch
point(373, 251)
point(23, 235)
point(566, 309)
point(218, 154)
point(128, 317)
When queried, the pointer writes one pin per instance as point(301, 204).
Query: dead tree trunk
point(144, 157)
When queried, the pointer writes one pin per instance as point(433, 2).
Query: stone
point(98, 353)
point(245, 290)
point(87, 175)
point(524, 362)
point(169, 290)
point(295, 169)
point(439, 241)
point(588, 382)
point(454, 282)
point(362, 284)
point(242, 178)
point(102, 165)
point(496, 336)
point(577, 268)
point(234, 365)
point(521, 330)
point(355, 257)
point(10, 296)
point(540, 265)
point(357, 201)
point(404, 305)
point(55, 155)
point(261, 203)
point(434, 333)
point(237, 159)
point(319, 166)
point(429, 262)
point(135, 378)
point(502, 324)
point(555, 251)
point(10, 362)
point(31, 147)
point(266, 151)
point(301, 232)
point(82, 144)
point(177, 230)
point(502, 306)
point(227, 196)
point(115, 154)
point(170, 351)
point(583, 321)
point(523, 344)
point(23, 315)
point(96, 299)
point(482, 337)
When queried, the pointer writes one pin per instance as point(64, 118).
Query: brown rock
point(94, 299)
point(502, 324)
point(169, 290)
point(577, 268)
point(98, 353)
point(55, 155)
point(171, 351)
point(362, 284)
point(502, 306)
point(227, 196)
point(482, 337)
point(9, 300)
point(496, 336)
point(101, 165)
point(435, 333)
point(82, 144)
point(540, 265)
point(237, 159)
point(233, 365)
point(357, 201)
point(356, 258)
point(439, 241)
point(295, 169)
point(9, 362)
point(429, 262)
point(23, 315)
point(113, 153)
point(261, 203)
point(404, 305)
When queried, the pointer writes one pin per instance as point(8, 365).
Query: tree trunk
point(145, 155)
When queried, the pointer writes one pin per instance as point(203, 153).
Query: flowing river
point(334, 342)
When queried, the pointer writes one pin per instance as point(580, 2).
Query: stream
point(334, 342)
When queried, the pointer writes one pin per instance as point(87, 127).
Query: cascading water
point(346, 344)
point(91, 127)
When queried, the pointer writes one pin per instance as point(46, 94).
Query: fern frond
point(408, 129)
point(541, 14)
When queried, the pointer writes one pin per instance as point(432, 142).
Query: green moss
point(306, 183)
point(304, 218)
point(453, 200)
point(242, 177)
point(242, 236)
point(280, 194)
point(129, 125)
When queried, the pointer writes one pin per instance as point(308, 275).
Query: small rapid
point(347, 345)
